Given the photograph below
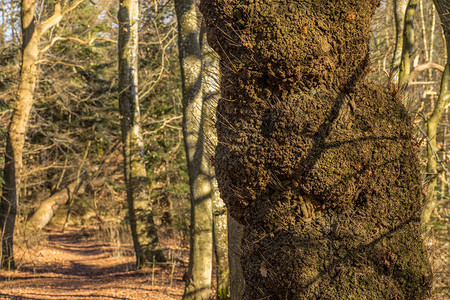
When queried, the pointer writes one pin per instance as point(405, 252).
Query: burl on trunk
point(314, 160)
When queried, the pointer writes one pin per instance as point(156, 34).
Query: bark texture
point(316, 162)
point(199, 274)
point(145, 237)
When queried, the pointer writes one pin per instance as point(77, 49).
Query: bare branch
point(56, 17)
point(423, 67)
point(60, 63)
point(60, 38)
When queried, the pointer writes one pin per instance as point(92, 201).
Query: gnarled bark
point(313, 160)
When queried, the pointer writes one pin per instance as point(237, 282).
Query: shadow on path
point(76, 265)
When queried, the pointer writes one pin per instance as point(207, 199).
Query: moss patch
point(315, 162)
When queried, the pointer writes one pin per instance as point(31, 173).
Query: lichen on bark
point(316, 162)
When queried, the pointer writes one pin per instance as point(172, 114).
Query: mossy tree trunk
point(15, 136)
point(145, 237)
point(443, 101)
point(199, 274)
point(211, 94)
point(399, 15)
point(313, 160)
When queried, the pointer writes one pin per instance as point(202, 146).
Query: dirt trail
point(76, 265)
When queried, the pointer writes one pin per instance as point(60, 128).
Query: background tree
point(408, 42)
point(200, 86)
point(439, 107)
point(313, 159)
point(15, 139)
point(211, 94)
point(198, 282)
point(399, 14)
point(143, 229)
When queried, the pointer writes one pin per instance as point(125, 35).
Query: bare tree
point(211, 94)
point(408, 42)
point(145, 238)
point(31, 34)
point(399, 13)
point(198, 283)
point(443, 8)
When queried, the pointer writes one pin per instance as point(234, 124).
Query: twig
point(60, 63)
point(90, 42)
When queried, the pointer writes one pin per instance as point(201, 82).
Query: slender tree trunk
point(408, 43)
point(211, 94)
point(16, 132)
point(442, 7)
point(314, 160)
point(220, 242)
point(399, 14)
point(143, 229)
point(235, 235)
point(199, 274)
point(15, 139)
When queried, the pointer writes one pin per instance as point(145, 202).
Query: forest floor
point(77, 264)
point(88, 263)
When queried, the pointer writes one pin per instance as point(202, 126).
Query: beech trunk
point(145, 237)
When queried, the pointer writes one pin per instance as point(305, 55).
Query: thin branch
point(90, 42)
point(435, 153)
point(423, 67)
point(56, 17)
point(60, 63)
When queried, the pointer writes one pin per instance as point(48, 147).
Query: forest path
point(76, 264)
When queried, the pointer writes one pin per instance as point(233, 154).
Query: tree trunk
point(399, 14)
point(235, 235)
point(211, 94)
point(198, 283)
point(43, 215)
point(16, 132)
point(315, 161)
point(442, 8)
point(220, 242)
point(145, 238)
point(408, 43)
point(15, 136)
